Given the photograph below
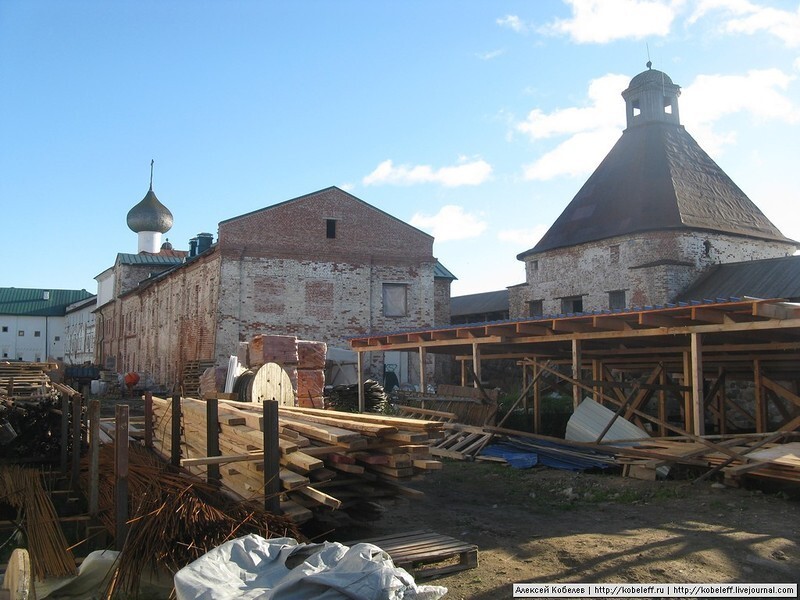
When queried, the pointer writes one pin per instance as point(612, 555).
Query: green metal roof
point(148, 259)
point(441, 272)
point(31, 302)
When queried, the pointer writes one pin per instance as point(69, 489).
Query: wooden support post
point(524, 385)
point(698, 400)
point(94, 458)
point(597, 375)
point(121, 475)
point(76, 441)
point(64, 432)
point(662, 403)
point(576, 372)
point(175, 449)
point(360, 377)
point(272, 458)
point(723, 402)
point(537, 399)
point(761, 405)
point(212, 438)
point(463, 373)
point(687, 396)
point(423, 385)
point(476, 363)
point(148, 420)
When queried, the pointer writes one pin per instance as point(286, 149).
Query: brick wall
point(652, 268)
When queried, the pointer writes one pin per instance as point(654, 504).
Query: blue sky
point(475, 121)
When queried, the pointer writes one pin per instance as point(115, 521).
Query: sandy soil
point(545, 525)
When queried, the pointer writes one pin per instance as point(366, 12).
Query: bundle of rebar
point(23, 490)
point(174, 518)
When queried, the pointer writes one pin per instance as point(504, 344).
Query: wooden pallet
point(427, 554)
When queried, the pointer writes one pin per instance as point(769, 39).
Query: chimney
point(204, 241)
point(193, 247)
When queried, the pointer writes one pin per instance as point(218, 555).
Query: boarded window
point(395, 300)
point(535, 308)
point(37, 334)
point(330, 228)
point(616, 299)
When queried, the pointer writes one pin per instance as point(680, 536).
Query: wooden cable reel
point(271, 382)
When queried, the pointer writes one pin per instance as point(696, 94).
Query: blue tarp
point(524, 454)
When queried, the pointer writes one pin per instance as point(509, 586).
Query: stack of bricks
point(303, 361)
point(311, 373)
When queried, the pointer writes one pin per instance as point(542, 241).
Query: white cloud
point(603, 21)
point(466, 172)
point(576, 156)
point(742, 16)
point(450, 223)
point(604, 110)
point(710, 98)
point(347, 187)
point(513, 22)
point(523, 238)
point(492, 54)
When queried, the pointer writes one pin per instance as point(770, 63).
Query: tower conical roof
point(656, 177)
point(150, 215)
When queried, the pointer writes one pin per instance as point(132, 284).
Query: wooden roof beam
point(613, 323)
point(501, 329)
point(710, 315)
point(651, 320)
point(538, 328)
point(570, 326)
point(783, 310)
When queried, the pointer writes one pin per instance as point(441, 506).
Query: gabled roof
point(768, 278)
point(330, 189)
point(656, 177)
point(32, 302)
point(483, 303)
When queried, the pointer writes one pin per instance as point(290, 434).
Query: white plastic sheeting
point(590, 418)
point(252, 567)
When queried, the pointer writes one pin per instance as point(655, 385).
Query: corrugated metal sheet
point(769, 278)
point(31, 302)
point(590, 418)
point(656, 177)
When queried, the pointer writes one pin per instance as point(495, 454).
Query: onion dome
point(150, 215)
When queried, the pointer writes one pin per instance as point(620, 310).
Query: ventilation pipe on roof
point(192, 247)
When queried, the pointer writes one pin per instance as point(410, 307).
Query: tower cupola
point(149, 218)
point(651, 97)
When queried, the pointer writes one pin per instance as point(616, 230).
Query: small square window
point(5, 328)
point(21, 333)
point(535, 308)
point(57, 338)
point(330, 228)
point(616, 299)
point(37, 334)
point(5, 354)
point(571, 305)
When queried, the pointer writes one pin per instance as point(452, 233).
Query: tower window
point(330, 228)
point(573, 304)
point(535, 308)
point(616, 299)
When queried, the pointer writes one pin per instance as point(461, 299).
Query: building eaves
point(441, 272)
point(36, 302)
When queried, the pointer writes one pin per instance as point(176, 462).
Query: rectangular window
point(21, 333)
point(5, 354)
point(535, 308)
point(58, 338)
point(330, 228)
point(614, 254)
point(616, 299)
point(395, 300)
point(37, 334)
point(5, 328)
point(572, 304)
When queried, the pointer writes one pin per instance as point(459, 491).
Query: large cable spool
point(271, 382)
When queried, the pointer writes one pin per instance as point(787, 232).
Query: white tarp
point(590, 418)
point(252, 567)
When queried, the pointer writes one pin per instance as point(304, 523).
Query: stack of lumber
point(472, 406)
point(192, 371)
point(329, 460)
point(25, 380)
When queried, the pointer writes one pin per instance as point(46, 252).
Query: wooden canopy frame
point(688, 350)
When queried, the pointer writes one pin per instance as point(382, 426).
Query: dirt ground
point(545, 525)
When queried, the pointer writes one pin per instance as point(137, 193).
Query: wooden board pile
point(26, 380)
point(329, 460)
